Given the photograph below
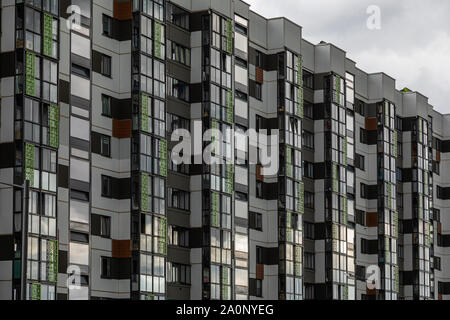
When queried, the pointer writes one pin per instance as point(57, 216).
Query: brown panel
point(440, 296)
point(259, 176)
point(259, 75)
point(122, 128)
point(123, 9)
point(370, 292)
point(372, 219)
point(121, 248)
point(371, 124)
point(438, 156)
point(439, 228)
point(260, 272)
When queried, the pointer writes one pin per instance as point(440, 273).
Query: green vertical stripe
point(229, 37)
point(300, 111)
point(162, 245)
point(300, 71)
point(29, 163)
point(145, 113)
point(335, 178)
point(54, 126)
point(144, 192)
point(30, 72)
point(289, 162)
point(215, 209)
point(48, 35)
point(229, 185)
point(52, 258)
point(163, 157)
point(230, 107)
point(157, 40)
point(338, 89)
point(36, 291)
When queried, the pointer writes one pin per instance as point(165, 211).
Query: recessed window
point(255, 221)
point(106, 187)
point(107, 26)
point(105, 146)
point(105, 226)
point(258, 59)
point(106, 66)
point(106, 268)
point(308, 139)
point(106, 106)
point(258, 91)
point(309, 200)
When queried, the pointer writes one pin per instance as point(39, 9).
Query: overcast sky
point(412, 46)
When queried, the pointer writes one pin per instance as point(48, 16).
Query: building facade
point(91, 94)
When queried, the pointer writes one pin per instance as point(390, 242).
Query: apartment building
point(93, 207)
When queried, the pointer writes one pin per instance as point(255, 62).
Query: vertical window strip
point(48, 35)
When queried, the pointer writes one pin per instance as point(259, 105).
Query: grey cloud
point(412, 46)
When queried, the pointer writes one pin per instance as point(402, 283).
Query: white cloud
point(413, 45)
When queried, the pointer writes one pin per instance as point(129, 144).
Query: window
point(33, 30)
point(308, 139)
point(106, 105)
point(179, 199)
point(178, 236)
point(360, 217)
point(259, 189)
point(49, 81)
point(360, 273)
point(309, 110)
point(179, 53)
point(258, 91)
point(105, 146)
point(360, 162)
point(179, 273)
point(106, 66)
point(437, 263)
point(177, 16)
point(308, 79)
point(80, 71)
point(308, 169)
point(178, 89)
point(107, 26)
point(309, 261)
point(309, 230)
point(106, 268)
point(105, 226)
point(309, 200)
point(106, 187)
point(258, 59)
point(259, 288)
point(255, 221)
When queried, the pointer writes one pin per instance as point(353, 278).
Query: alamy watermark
point(254, 147)
point(374, 19)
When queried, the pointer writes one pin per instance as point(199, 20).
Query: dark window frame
point(106, 183)
point(106, 65)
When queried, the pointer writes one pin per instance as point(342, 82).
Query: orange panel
point(123, 9)
point(259, 176)
point(122, 128)
point(438, 156)
point(370, 292)
point(121, 248)
point(372, 219)
point(259, 75)
point(260, 272)
point(371, 124)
